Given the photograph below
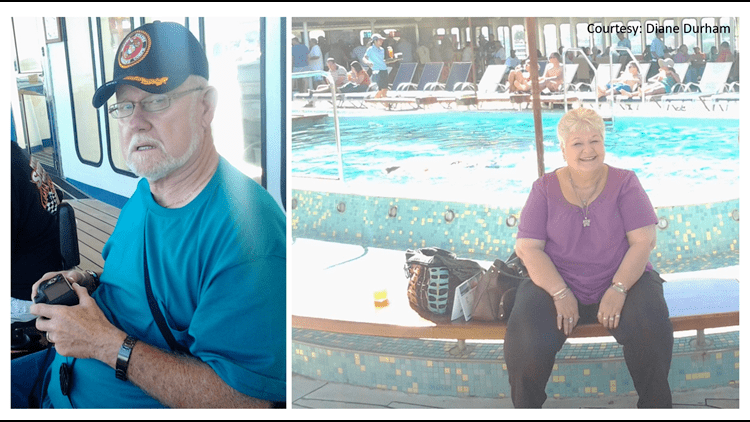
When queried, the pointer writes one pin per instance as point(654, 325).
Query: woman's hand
point(610, 308)
point(567, 313)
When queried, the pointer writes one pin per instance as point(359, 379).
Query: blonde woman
point(585, 236)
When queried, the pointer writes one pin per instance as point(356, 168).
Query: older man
point(190, 307)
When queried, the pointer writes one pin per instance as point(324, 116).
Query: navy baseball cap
point(157, 58)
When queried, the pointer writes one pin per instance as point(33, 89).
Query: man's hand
point(80, 331)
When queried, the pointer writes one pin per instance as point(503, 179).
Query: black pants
point(532, 340)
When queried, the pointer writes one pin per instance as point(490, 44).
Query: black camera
point(56, 291)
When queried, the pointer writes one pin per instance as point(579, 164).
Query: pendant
point(586, 222)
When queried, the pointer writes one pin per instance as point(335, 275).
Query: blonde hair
point(579, 119)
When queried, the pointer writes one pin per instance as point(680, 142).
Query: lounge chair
point(456, 80)
point(488, 85)
point(567, 91)
point(432, 91)
point(520, 98)
point(404, 75)
point(712, 82)
point(731, 94)
point(430, 74)
point(605, 72)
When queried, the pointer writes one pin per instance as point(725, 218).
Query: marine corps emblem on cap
point(134, 49)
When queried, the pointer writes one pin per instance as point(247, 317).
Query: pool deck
point(340, 264)
point(308, 393)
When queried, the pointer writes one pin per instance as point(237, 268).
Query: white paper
point(19, 310)
point(463, 302)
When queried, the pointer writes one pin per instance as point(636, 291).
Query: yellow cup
point(381, 298)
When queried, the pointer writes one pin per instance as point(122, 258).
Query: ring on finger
point(47, 336)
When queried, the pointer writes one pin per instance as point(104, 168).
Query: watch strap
point(123, 358)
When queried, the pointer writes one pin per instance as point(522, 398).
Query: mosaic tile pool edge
point(696, 237)
point(427, 367)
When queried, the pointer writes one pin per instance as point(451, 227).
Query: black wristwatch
point(95, 283)
point(123, 358)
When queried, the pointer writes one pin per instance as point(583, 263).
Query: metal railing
point(591, 65)
point(327, 76)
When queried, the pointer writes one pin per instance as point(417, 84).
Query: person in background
point(585, 236)
point(625, 84)
point(338, 74)
point(404, 46)
point(190, 308)
point(34, 230)
point(499, 54)
point(358, 79)
point(725, 54)
point(315, 60)
point(511, 62)
point(697, 65)
point(423, 52)
point(625, 43)
point(553, 74)
point(713, 54)
point(661, 83)
point(375, 58)
point(682, 54)
point(359, 51)
point(519, 80)
point(299, 63)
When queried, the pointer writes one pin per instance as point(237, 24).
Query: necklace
point(586, 219)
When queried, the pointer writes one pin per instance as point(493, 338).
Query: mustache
point(141, 139)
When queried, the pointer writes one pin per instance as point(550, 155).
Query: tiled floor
point(308, 393)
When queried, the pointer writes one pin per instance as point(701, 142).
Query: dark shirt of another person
point(35, 236)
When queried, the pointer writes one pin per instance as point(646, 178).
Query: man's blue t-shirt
point(218, 272)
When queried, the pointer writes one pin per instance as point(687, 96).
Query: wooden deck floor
point(95, 221)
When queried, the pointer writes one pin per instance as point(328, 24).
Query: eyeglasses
point(151, 104)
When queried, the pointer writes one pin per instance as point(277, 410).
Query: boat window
point(650, 35)
point(28, 35)
point(234, 52)
point(708, 40)
point(113, 31)
point(636, 46)
point(728, 36)
point(670, 38)
point(582, 35)
point(83, 85)
point(519, 41)
point(503, 34)
point(613, 39)
point(565, 39)
point(550, 39)
point(689, 38)
point(598, 39)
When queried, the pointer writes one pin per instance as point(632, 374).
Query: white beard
point(164, 166)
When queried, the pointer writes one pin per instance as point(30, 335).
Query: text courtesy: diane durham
point(657, 29)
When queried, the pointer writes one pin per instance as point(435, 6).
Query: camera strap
point(158, 316)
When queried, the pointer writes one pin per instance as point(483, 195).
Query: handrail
point(332, 84)
point(591, 65)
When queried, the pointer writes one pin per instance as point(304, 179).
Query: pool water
point(483, 157)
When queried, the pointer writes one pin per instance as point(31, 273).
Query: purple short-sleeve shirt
point(587, 257)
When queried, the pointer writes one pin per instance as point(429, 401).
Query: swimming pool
point(466, 156)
